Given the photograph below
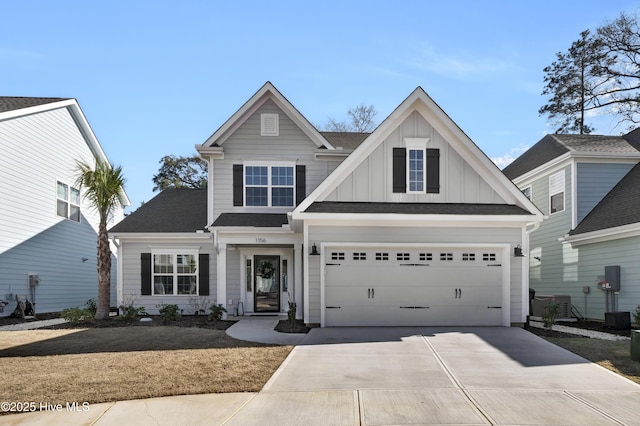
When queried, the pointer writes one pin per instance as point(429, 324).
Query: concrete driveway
point(383, 376)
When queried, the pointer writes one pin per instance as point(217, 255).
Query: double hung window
point(67, 202)
point(175, 274)
point(269, 186)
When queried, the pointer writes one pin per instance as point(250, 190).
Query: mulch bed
point(285, 327)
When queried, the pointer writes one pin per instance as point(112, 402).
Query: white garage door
point(396, 287)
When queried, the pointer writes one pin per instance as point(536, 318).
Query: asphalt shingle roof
point(173, 210)
point(416, 208)
point(11, 103)
point(553, 146)
point(621, 206)
point(260, 220)
point(346, 140)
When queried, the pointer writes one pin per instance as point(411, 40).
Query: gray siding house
point(46, 228)
point(409, 225)
point(587, 186)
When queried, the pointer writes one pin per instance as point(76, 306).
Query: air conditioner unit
point(541, 301)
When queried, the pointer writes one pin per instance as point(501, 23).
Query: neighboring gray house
point(46, 229)
point(588, 187)
point(409, 225)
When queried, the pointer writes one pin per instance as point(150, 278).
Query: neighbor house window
point(68, 202)
point(556, 192)
point(269, 186)
point(175, 274)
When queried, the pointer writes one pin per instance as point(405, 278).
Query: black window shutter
point(238, 185)
point(145, 274)
point(203, 273)
point(301, 183)
point(433, 171)
point(399, 170)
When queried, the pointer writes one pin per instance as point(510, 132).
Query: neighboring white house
point(588, 186)
point(47, 231)
point(409, 225)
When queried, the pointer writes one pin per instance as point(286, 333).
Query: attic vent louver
point(269, 125)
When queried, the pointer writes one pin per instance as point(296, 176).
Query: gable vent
point(269, 125)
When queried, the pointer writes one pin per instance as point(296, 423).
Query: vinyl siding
point(592, 260)
point(372, 179)
point(556, 272)
point(406, 235)
point(246, 144)
point(131, 284)
point(594, 181)
point(36, 151)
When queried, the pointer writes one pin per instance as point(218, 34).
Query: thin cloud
point(507, 158)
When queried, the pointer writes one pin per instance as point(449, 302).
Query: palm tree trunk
point(104, 272)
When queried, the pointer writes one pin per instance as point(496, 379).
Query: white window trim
point(270, 124)
point(68, 202)
point(175, 253)
point(269, 185)
point(561, 175)
point(416, 144)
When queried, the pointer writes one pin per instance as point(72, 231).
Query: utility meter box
point(612, 277)
point(34, 279)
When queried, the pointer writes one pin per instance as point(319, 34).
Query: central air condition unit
point(541, 301)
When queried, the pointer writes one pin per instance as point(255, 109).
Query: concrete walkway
point(394, 375)
point(261, 330)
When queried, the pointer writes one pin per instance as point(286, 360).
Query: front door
point(267, 283)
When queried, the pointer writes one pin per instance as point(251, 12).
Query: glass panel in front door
point(267, 283)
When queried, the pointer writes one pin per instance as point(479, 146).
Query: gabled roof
point(12, 103)
point(266, 92)
point(621, 206)
point(173, 210)
point(555, 145)
point(418, 101)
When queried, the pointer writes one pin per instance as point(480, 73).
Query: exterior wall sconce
point(84, 259)
point(314, 250)
point(517, 251)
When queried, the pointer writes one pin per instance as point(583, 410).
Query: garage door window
point(426, 256)
point(382, 256)
point(403, 256)
point(359, 256)
point(488, 257)
point(337, 256)
point(446, 257)
point(468, 257)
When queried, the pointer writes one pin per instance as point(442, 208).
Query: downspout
point(119, 274)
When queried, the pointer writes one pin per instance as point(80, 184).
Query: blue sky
point(158, 77)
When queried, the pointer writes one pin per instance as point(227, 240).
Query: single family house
point(586, 251)
point(409, 225)
point(48, 233)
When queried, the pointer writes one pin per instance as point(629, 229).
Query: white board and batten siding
point(38, 151)
point(371, 180)
point(245, 144)
point(453, 291)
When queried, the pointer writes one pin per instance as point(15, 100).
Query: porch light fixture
point(517, 251)
point(314, 250)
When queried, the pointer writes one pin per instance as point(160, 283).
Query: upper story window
point(269, 125)
point(556, 192)
point(68, 202)
point(416, 155)
point(269, 186)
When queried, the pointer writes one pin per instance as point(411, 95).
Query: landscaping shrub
point(551, 312)
point(92, 306)
point(169, 313)
point(78, 315)
point(216, 312)
point(636, 316)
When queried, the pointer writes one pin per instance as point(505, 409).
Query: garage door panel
point(416, 286)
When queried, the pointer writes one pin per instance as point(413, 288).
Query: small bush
point(92, 306)
point(291, 313)
point(216, 312)
point(130, 312)
point(636, 316)
point(198, 305)
point(169, 313)
point(77, 315)
point(551, 312)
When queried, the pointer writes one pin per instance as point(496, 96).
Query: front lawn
point(111, 364)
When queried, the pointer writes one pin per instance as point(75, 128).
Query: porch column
point(221, 276)
point(297, 272)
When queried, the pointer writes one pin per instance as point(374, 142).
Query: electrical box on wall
point(612, 277)
point(586, 289)
point(34, 279)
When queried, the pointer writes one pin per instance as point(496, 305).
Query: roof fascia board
point(401, 218)
point(549, 167)
point(602, 235)
point(251, 229)
point(267, 91)
point(161, 235)
point(423, 222)
point(214, 152)
point(7, 115)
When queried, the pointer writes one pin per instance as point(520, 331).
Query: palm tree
point(104, 188)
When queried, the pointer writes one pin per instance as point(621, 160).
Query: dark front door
point(267, 279)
